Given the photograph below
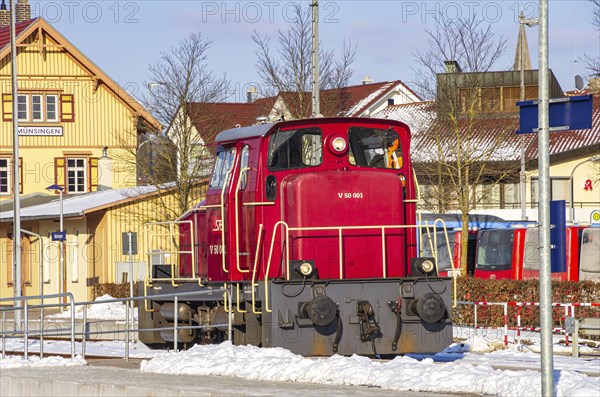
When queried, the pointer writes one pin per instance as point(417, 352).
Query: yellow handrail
point(282, 223)
point(260, 231)
point(238, 300)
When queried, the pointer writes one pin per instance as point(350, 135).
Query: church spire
point(522, 58)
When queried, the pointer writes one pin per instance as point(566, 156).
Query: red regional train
point(513, 253)
point(311, 225)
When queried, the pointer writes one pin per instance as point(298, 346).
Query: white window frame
point(8, 187)
point(48, 119)
point(76, 188)
point(26, 96)
point(41, 111)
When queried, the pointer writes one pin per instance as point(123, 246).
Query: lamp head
point(55, 187)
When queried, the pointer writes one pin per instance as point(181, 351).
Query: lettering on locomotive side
point(215, 249)
point(217, 225)
point(350, 195)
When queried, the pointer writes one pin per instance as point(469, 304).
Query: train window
point(371, 147)
point(244, 164)
point(222, 166)
point(590, 246)
point(494, 249)
point(295, 149)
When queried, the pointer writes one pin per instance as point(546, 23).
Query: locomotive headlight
point(427, 266)
point(339, 144)
point(305, 269)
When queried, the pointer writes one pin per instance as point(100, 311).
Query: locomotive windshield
point(295, 149)
point(223, 164)
point(371, 147)
point(494, 249)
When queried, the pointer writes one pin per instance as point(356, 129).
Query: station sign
point(569, 113)
point(41, 131)
point(59, 236)
point(595, 216)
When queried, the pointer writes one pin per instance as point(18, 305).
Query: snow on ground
point(114, 349)
point(478, 364)
point(34, 361)
point(110, 311)
point(402, 373)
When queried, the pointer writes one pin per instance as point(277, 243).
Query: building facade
point(76, 129)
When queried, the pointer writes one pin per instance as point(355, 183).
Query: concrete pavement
point(118, 378)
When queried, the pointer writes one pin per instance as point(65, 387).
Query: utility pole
point(315, 59)
point(523, 176)
point(544, 206)
point(16, 172)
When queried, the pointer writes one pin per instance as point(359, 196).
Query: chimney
point(452, 67)
point(4, 15)
point(251, 94)
point(23, 10)
point(367, 80)
point(105, 171)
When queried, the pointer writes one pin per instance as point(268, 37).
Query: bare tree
point(181, 88)
point(591, 62)
point(457, 160)
point(289, 70)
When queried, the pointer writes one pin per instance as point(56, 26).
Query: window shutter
point(93, 174)
point(7, 107)
point(20, 175)
point(59, 171)
point(67, 108)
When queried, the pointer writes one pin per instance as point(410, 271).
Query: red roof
point(19, 27)
point(212, 118)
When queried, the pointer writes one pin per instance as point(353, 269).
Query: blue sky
point(123, 37)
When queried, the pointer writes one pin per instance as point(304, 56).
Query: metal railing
point(285, 229)
point(84, 333)
point(26, 333)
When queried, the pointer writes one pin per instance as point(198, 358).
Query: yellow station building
point(74, 124)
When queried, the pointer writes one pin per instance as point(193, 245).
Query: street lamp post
point(593, 159)
point(523, 176)
point(61, 256)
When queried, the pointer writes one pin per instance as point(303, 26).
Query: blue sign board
point(59, 236)
point(569, 113)
point(558, 236)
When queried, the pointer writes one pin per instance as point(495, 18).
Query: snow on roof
point(493, 132)
point(418, 115)
point(78, 205)
point(363, 103)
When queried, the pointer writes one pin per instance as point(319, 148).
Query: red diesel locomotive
point(311, 224)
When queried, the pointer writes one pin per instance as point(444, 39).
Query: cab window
point(377, 148)
point(223, 165)
point(295, 149)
